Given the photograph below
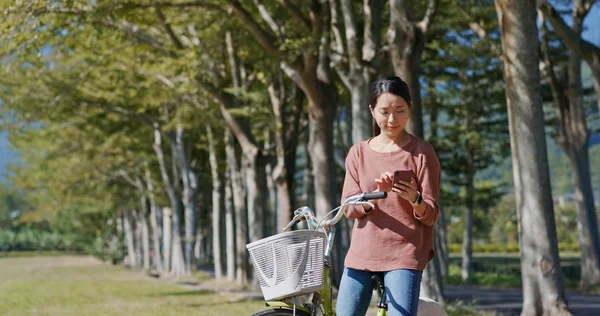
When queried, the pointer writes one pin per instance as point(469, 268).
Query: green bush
point(507, 248)
point(27, 239)
point(106, 250)
point(7, 239)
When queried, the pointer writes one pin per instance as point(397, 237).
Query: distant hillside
point(561, 174)
point(560, 167)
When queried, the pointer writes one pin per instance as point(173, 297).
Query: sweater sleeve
point(429, 179)
point(352, 184)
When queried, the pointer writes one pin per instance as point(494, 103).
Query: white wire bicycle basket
point(289, 263)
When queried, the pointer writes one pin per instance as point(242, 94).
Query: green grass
point(461, 309)
point(503, 270)
point(491, 279)
point(79, 285)
point(50, 253)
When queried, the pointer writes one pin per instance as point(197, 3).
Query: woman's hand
point(407, 190)
point(385, 183)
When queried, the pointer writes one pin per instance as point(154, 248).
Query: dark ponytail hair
point(393, 85)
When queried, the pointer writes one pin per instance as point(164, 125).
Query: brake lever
point(292, 222)
point(299, 217)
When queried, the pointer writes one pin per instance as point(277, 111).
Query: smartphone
point(404, 175)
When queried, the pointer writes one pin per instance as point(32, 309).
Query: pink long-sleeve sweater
point(392, 236)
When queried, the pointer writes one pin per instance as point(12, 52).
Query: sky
point(591, 33)
point(5, 154)
point(591, 24)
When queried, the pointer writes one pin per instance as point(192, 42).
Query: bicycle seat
point(377, 282)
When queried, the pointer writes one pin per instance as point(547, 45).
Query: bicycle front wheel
point(280, 312)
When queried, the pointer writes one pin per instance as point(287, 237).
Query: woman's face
point(391, 114)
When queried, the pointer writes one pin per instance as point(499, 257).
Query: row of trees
point(197, 126)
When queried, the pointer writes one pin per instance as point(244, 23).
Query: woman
point(396, 237)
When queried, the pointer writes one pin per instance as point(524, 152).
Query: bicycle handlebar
point(305, 213)
point(359, 199)
point(374, 195)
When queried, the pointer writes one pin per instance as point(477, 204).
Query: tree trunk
point(280, 171)
point(216, 204)
point(121, 233)
point(584, 49)
point(145, 240)
point(167, 240)
point(358, 73)
point(129, 237)
point(310, 71)
point(362, 127)
point(440, 231)
point(407, 41)
point(320, 146)
point(177, 263)
point(253, 161)
point(190, 194)
point(291, 146)
point(597, 88)
point(157, 258)
point(320, 149)
point(573, 138)
point(200, 252)
point(254, 170)
point(136, 216)
point(177, 257)
point(241, 224)
point(311, 74)
point(441, 242)
point(284, 201)
point(431, 287)
point(543, 292)
point(229, 227)
point(270, 213)
point(578, 136)
point(587, 220)
point(308, 193)
point(467, 247)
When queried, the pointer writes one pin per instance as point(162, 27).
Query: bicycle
point(292, 265)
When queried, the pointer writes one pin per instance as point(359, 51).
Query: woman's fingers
point(403, 194)
point(386, 183)
point(382, 184)
point(401, 189)
point(406, 184)
point(386, 177)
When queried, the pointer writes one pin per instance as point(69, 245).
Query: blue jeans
point(401, 288)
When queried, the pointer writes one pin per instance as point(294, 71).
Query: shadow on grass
point(209, 304)
point(186, 293)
